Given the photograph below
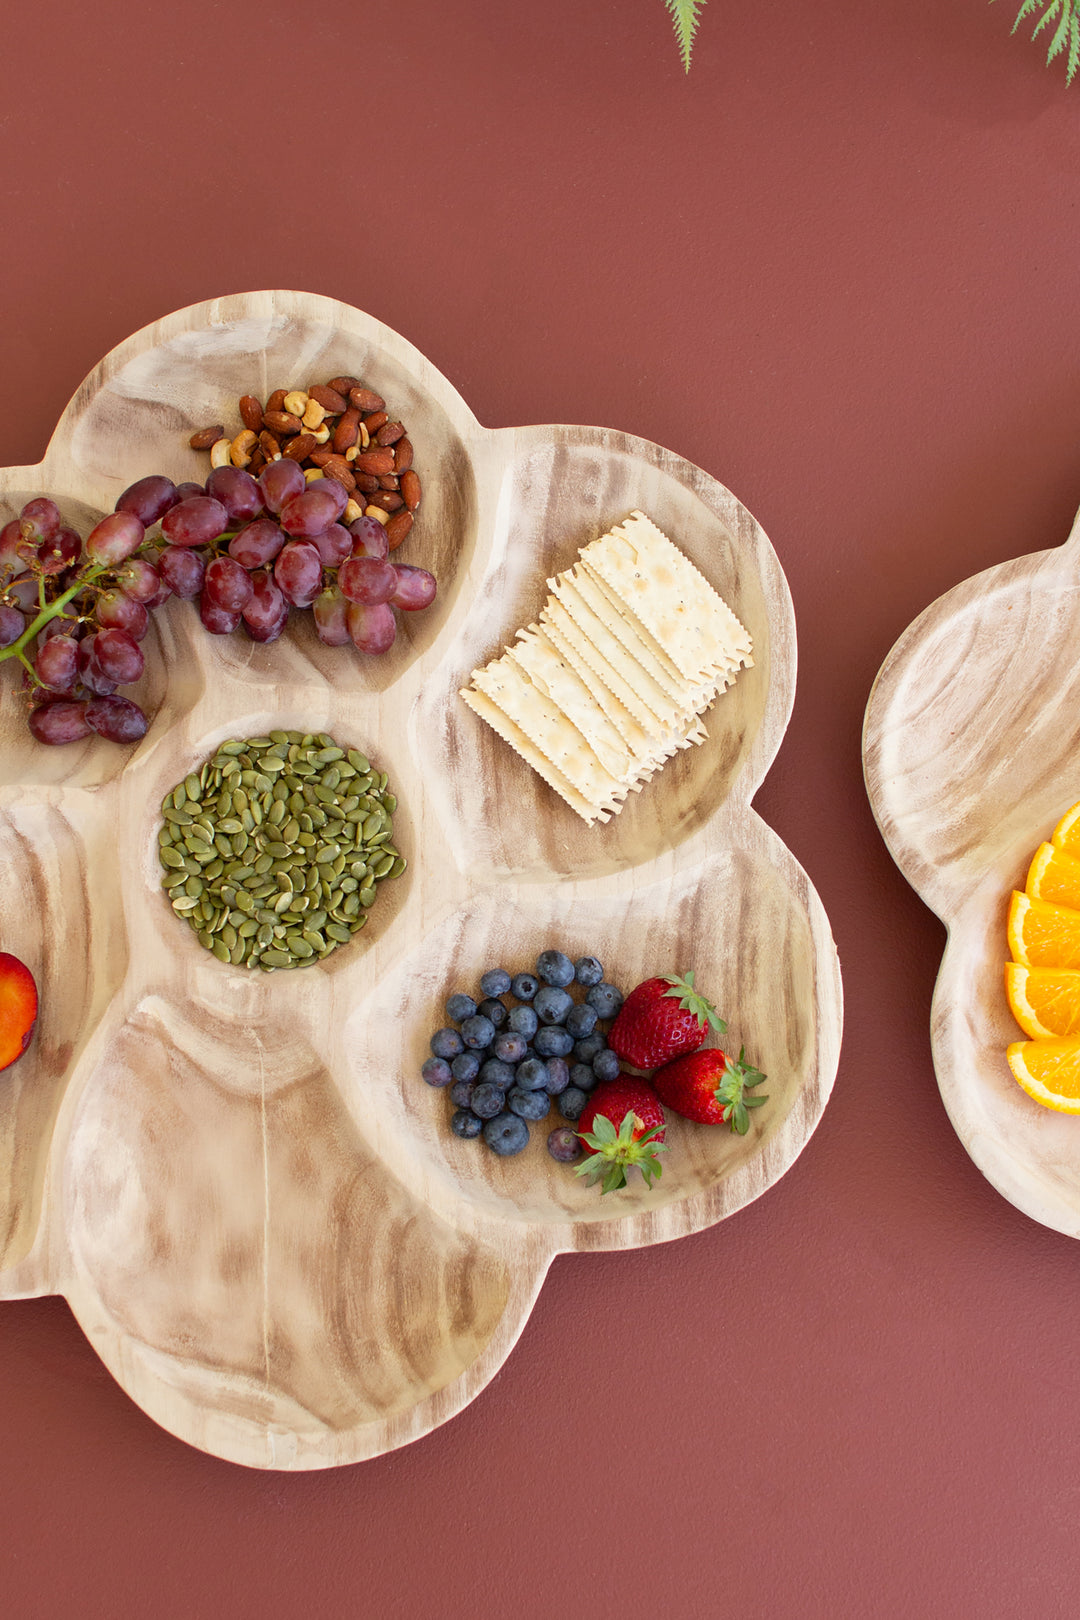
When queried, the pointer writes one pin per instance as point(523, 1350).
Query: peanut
point(311, 473)
point(352, 511)
point(377, 513)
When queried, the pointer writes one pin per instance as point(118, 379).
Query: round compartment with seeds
point(273, 851)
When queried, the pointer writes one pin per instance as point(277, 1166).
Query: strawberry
point(709, 1087)
point(662, 1019)
point(18, 1008)
point(622, 1125)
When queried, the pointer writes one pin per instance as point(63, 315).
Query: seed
point(339, 932)
point(228, 934)
point(171, 858)
point(398, 867)
point(173, 880)
point(276, 959)
point(382, 865)
point(179, 818)
point(192, 787)
point(265, 935)
point(367, 895)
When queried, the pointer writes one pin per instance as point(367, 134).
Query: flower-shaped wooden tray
point(970, 755)
point(239, 1181)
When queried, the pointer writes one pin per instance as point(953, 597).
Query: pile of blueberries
point(505, 1065)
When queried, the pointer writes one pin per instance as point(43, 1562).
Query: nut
point(388, 481)
point(329, 398)
point(300, 448)
point(403, 455)
point(376, 512)
point(337, 467)
point(320, 457)
point(242, 446)
point(389, 433)
point(207, 437)
point(366, 481)
point(296, 403)
point(375, 461)
point(352, 452)
point(269, 445)
point(342, 385)
point(410, 489)
point(365, 400)
point(258, 461)
point(347, 431)
point(311, 473)
point(251, 413)
point(219, 453)
point(352, 511)
point(282, 423)
point(365, 437)
point(321, 435)
point(314, 416)
point(389, 500)
point(398, 527)
point(276, 402)
point(374, 421)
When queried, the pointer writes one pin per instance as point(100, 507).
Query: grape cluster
point(248, 550)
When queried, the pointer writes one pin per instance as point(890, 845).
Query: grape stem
point(50, 611)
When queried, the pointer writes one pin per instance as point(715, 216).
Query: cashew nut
point(219, 453)
point(377, 513)
point(295, 403)
point(242, 446)
point(311, 473)
point(314, 415)
point(352, 511)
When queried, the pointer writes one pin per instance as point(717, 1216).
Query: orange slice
point(1042, 935)
point(1049, 1071)
point(1045, 1001)
point(1066, 835)
point(1054, 875)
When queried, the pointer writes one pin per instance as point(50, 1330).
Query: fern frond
point(684, 15)
point(1066, 14)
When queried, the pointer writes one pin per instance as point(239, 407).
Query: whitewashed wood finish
point(251, 1201)
point(971, 750)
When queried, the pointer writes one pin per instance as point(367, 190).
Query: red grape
point(114, 539)
point(12, 546)
point(60, 552)
point(218, 620)
point(57, 663)
point(119, 656)
point(372, 628)
point(40, 519)
point(415, 588)
point(331, 487)
point(116, 718)
point(331, 626)
point(188, 490)
point(149, 498)
point(194, 522)
point(183, 571)
point(309, 513)
point(369, 538)
point(115, 611)
point(12, 624)
point(91, 673)
point(227, 585)
point(59, 722)
point(368, 580)
point(24, 593)
point(333, 545)
point(257, 544)
point(237, 491)
point(280, 481)
point(266, 613)
point(298, 572)
point(139, 579)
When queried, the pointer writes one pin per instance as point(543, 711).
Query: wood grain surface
point(254, 1206)
point(971, 750)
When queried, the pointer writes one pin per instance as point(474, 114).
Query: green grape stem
point(50, 611)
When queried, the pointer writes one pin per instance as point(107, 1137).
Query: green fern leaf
point(1066, 15)
point(684, 15)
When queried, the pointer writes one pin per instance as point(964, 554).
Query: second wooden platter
point(251, 1201)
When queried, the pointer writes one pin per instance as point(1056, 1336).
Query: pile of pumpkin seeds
point(273, 851)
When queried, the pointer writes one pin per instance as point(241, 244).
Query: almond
point(299, 448)
point(257, 462)
point(343, 385)
point(270, 446)
point(410, 489)
point(388, 481)
point(276, 401)
point(320, 457)
point(403, 455)
point(389, 500)
point(398, 527)
point(374, 420)
point(347, 431)
point(375, 461)
point(207, 437)
point(389, 433)
point(365, 481)
point(337, 467)
point(251, 413)
point(329, 398)
point(281, 422)
point(365, 400)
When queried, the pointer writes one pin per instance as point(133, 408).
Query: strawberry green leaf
point(730, 1094)
point(684, 15)
point(692, 1001)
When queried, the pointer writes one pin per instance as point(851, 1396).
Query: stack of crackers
point(632, 646)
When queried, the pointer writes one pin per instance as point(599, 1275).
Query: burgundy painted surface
point(838, 268)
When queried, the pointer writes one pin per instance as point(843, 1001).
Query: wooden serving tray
point(252, 1202)
point(970, 755)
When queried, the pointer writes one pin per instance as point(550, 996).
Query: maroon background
point(837, 266)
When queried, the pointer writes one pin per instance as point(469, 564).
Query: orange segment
point(1049, 1071)
point(1045, 1001)
point(1054, 875)
point(1066, 835)
point(1042, 935)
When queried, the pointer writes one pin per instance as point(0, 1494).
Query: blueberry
point(531, 1075)
point(528, 1104)
point(466, 1066)
point(510, 1048)
point(605, 1065)
point(553, 1004)
point(587, 1049)
point(555, 969)
point(506, 1135)
point(494, 1011)
point(461, 1093)
point(581, 1075)
point(436, 1071)
point(487, 1100)
point(495, 982)
point(587, 971)
point(581, 1021)
point(605, 999)
point(551, 1041)
point(464, 1123)
point(563, 1145)
point(496, 1073)
point(524, 986)
point(558, 1076)
point(460, 1007)
point(523, 1021)
point(477, 1031)
point(572, 1103)
point(447, 1043)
